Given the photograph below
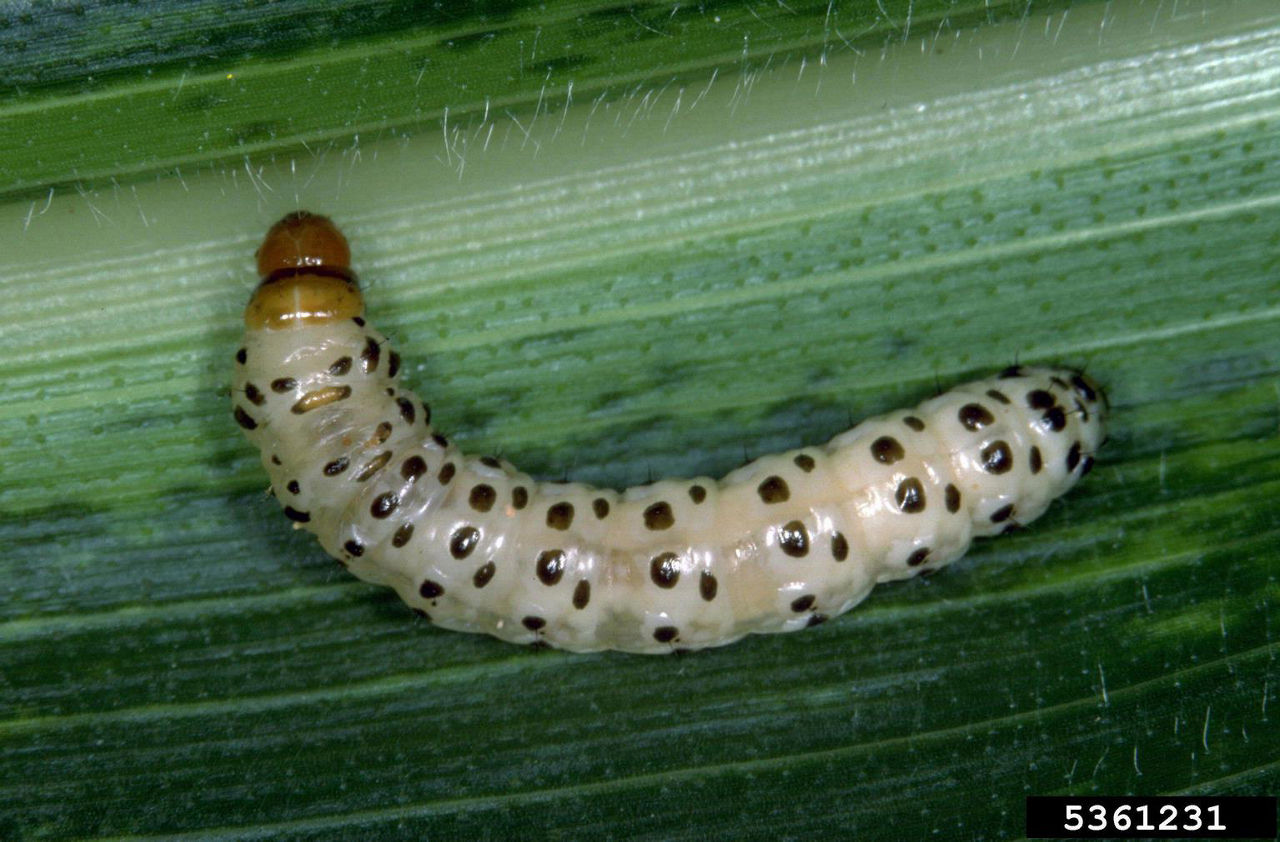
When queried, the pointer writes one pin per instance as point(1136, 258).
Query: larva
point(782, 543)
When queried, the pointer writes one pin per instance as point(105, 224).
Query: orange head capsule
point(304, 263)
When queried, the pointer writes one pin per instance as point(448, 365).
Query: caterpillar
point(782, 543)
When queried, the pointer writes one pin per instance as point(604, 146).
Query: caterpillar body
point(779, 544)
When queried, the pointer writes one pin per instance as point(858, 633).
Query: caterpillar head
point(305, 266)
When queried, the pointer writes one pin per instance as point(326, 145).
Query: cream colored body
point(735, 534)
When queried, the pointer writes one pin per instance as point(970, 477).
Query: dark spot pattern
point(431, 590)
point(384, 504)
point(407, 411)
point(375, 464)
point(370, 356)
point(255, 397)
point(1055, 419)
point(997, 395)
point(244, 419)
point(275, 460)
point(914, 423)
point(296, 516)
point(1002, 514)
point(337, 466)
point(839, 546)
point(447, 470)
point(951, 497)
point(402, 536)
point(697, 493)
point(283, 385)
point(997, 458)
point(519, 497)
point(1010, 372)
point(793, 538)
point(463, 541)
point(815, 620)
point(887, 450)
point(242, 356)
point(483, 575)
point(803, 603)
point(491, 461)
point(1073, 457)
point(910, 496)
point(664, 570)
point(359, 321)
point(1060, 383)
point(560, 515)
point(293, 487)
point(975, 416)
point(1035, 460)
point(440, 440)
point(382, 432)
point(1083, 387)
point(601, 508)
point(659, 516)
point(482, 497)
point(665, 634)
point(550, 567)
point(581, 594)
point(1040, 399)
point(774, 490)
point(393, 364)
point(1086, 466)
point(707, 586)
point(533, 624)
point(354, 547)
point(918, 557)
point(340, 366)
point(413, 467)
point(804, 462)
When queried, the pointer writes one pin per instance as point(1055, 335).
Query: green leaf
point(749, 227)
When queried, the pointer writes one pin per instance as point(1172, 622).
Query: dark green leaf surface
point(640, 287)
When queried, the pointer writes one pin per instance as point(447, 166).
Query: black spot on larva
point(659, 516)
point(281, 385)
point(581, 594)
point(431, 590)
point(244, 419)
point(997, 395)
point(491, 461)
point(975, 416)
point(483, 575)
point(550, 567)
point(439, 439)
point(951, 497)
point(447, 470)
point(1080, 408)
point(402, 536)
point(804, 462)
point(533, 624)
point(407, 411)
point(1036, 460)
point(1011, 371)
point(242, 356)
point(1086, 466)
point(340, 366)
point(384, 504)
point(463, 541)
point(910, 496)
point(382, 432)
point(664, 570)
point(393, 364)
point(1060, 383)
point(560, 515)
point(1040, 399)
point(370, 355)
point(519, 497)
point(793, 538)
point(293, 486)
point(1082, 386)
point(997, 458)
point(255, 397)
point(426, 414)
point(1002, 514)
point(413, 467)
point(1073, 457)
point(601, 507)
point(1055, 419)
point(774, 490)
point(839, 546)
point(697, 493)
point(375, 464)
point(913, 422)
point(275, 460)
point(293, 514)
point(802, 604)
point(707, 586)
point(482, 497)
point(337, 466)
point(887, 450)
point(359, 321)
point(665, 634)
point(918, 557)
point(354, 547)
point(816, 620)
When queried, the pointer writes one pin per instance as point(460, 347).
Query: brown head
point(305, 266)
